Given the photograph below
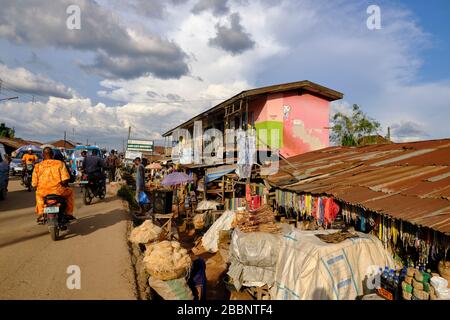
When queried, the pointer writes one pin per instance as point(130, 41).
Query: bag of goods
point(440, 286)
point(176, 289)
point(407, 295)
point(410, 272)
point(199, 221)
point(407, 287)
point(167, 260)
point(409, 280)
point(420, 294)
point(439, 282)
point(145, 233)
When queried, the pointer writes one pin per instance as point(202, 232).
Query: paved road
point(34, 267)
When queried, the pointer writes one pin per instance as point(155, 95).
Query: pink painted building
point(293, 117)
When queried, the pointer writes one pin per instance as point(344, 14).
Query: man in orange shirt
point(28, 158)
point(51, 177)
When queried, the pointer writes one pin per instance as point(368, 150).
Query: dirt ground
point(32, 266)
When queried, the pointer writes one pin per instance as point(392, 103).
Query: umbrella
point(32, 146)
point(176, 178)
point(155, 166)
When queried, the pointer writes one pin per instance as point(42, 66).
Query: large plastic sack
point(311, 269)
point(258, 249)
point(253, 258)
point(176, 289)
point(210, 240)
point(439, 283)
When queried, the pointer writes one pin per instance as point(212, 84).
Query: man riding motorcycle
point(51, 177)
point(93, 166)
point(28, 158)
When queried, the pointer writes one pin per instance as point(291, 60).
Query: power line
point(11, 98)
point(5, 86)
point(177, 101)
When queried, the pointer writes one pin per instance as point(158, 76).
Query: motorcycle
point(28, 176)
point(93, 187)
point(55, 215)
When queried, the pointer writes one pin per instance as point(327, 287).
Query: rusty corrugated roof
point(407, 181)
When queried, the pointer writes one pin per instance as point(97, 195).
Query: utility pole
point(129, 132)
point(64, 140)
point(87, 142)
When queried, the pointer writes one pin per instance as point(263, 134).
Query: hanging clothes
point(331, 211)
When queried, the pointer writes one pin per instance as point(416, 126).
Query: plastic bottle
point(390, 279)
point(385, 273)
point(396, 281)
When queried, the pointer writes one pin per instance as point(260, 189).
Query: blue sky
point(151, 64)
point(434, 17)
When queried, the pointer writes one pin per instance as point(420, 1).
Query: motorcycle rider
point(28, 158)
point(93, 166)
point(51, 177)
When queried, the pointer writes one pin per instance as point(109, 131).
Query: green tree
point(5, 131)
point(353, 130)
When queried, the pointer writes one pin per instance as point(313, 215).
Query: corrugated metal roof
point(407, 181)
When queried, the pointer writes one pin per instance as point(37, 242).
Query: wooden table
point(165, 221)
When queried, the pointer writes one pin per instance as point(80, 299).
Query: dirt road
point(34, 267)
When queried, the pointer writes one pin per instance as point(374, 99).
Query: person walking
point(113, 163)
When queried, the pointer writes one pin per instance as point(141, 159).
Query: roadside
point(34, 267)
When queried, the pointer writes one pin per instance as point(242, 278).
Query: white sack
point(210, 240)
point(310, 269)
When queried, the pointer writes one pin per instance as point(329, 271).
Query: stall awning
point(216, 173)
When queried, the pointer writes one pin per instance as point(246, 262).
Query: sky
point(153, 64)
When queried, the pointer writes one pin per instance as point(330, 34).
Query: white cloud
point(24, 81)
point(121, 52)
point(322, 41)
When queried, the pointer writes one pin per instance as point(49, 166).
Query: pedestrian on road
point(113, 163)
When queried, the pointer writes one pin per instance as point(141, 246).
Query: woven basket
point(170, 274)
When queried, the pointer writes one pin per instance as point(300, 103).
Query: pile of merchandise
point(416, 285)
point(412, 283)
point(145, 233)
point(166, 260)
point(337, 237)
point(262, 220)
point(168, 265)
